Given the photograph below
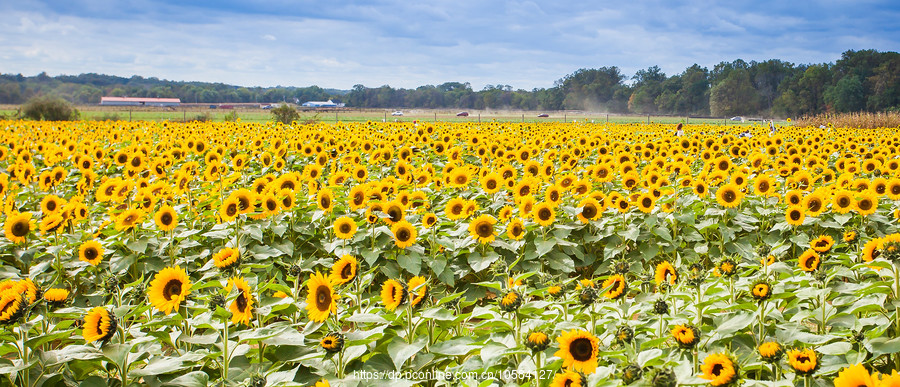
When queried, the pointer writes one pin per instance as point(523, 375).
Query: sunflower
point(537, 341)
point(227, 258)
point(510, 301)
point(56, 295)
point(344, 227)
point(230, 209)
point(579, 350)
point(455, 209)
point(169, 288)
point(645, 202)
point(590, 209)
point(344, 270)
point(429, 219)
point(842, 202)
point(404, 234)
point(804, 362)
point(700, 189)
point(325, 200)
point(129, 219)
point(242, 306)
point(770, 351)
point(729, 195)
point(515, 229)
point(17, 226)
point(482, 229)
point(867, 203)
point(569, 379)
point(91, 252)
point(51, 204)
point(166, 218)
point(393, 294)
point(418, 288)
point(50, 223)
point(332, 342)
point(892, 380)
point(763, 185)
point(720, 370)
point(761, 290)
point(321, 300)
point(395, 211)
point(814, 204)
point(544, 214)
point(12, 306)
point(795, 215)
point(617, 285)
point(665, 273)
point(491, 182)
point(687, 336)
point(849, 236)
point(856, 376)
point(809, 261)
point(99, 325)
point(727, 268)
point(822, 244)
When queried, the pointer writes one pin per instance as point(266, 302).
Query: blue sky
point(337, 44)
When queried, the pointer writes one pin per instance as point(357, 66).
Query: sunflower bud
point(257, 381)
point(664, 378)
point(332, 342)
point(216, 301)
point(661, 307)
point(511, 301)
point(624, 334)
point(587, 296)
point(631, 373)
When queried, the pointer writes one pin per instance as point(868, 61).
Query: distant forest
point(866, 80)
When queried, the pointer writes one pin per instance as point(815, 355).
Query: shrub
point(285, 114)
point(48, 108)
point(231, 116)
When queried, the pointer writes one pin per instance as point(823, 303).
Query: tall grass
point(852, 120)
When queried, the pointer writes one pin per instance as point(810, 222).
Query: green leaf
point(838, 348)
point(650, 355)
point(480, 262)
point(191, 379)
point(281, 377)
point(367, 318)
point(412, 263)
point(455, 347)
point(734, 324)
point(401, 351)
point(882, 346)
point(543, 247)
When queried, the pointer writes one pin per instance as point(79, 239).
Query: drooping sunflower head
point(56, 296)
point(321, 300)
point(169, 288)
point(332, 342)
point(393, 294)
point(537, 341)
point(687, 336)
point(242, 306)
point(91, 252)
point(510, 301)
point(50, 224)
point(770, 351)
point(99, 325)
point(720, 370)
point(227, 258)
point(665, 273)
point(631, 373)
point(344, 270)
point(579, 350)
point(418, 288)
point(617, 285)
point(804, 362)
point(12, 305)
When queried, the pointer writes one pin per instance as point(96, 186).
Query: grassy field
point(192, 113)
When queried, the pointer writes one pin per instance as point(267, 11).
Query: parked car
point(397, 113)
point(737, 118)
point(543, 115)
point(462, 114)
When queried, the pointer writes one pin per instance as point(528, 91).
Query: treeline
point(866, 80)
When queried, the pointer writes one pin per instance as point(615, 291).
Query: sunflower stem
point(226, 358)
point(23, 334)
point(409, 321)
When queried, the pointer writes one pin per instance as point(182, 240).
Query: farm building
point(133, 101)
point(322, 104)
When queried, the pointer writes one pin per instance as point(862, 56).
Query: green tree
point(847, 95)
point(285, 114)
point(49, 108)
point(734, 95)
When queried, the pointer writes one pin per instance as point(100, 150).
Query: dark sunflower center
point(701, 189)
point(525, 191)
point(231, 210)
point(581, 349)
point(815, 205)
point(358, 198)
point(763, 186)
point(456, 209)
point(271, 205)
point(51, 206)
point(461, 179)
point(347, 271)
point(717, 369)
point(729, 196)
point(241, 302)
point(166, 218)
point(325, 202)
point(484, 230)
point(90, 253)
point(323, 298)
point(589, 211)
point(646, 202)
point(895, 189)
point(20, 228)
point(803, 359)
point(403, 235)
point(544, 214)
point(795, 215)
point(395, 213)
point(623, 204)
point(843, 201)
point(865, 204)
point(517, 230)
point(172, 288)
point(491, 184)
point(554, 195)
point(344, 228)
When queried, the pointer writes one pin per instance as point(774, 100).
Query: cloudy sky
point(337, 44)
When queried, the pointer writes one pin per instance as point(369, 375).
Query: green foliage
point(231, 116)
point(285, 114)
point(48, 108)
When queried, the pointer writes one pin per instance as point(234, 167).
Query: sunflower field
point(447, 254)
